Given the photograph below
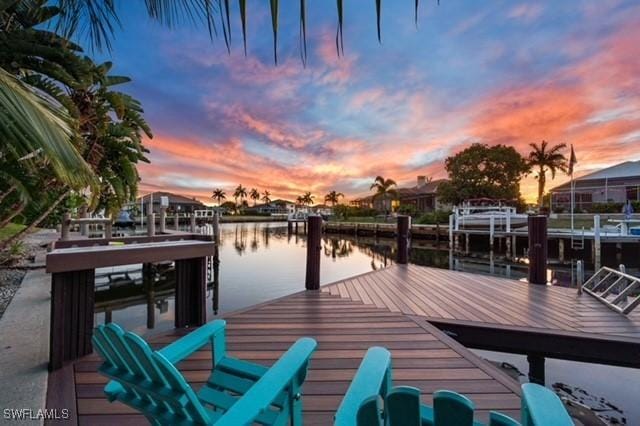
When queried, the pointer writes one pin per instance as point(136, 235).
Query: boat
point(480, 212)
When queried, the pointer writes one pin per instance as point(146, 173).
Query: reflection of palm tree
point(544, 159)
point(254, 240)
point(333, 197)
point(219, 195)
point(240, 244)
point(384, 189)
point(255, 196)
point(265, 197)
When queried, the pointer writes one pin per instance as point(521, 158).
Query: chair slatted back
point(150, 382)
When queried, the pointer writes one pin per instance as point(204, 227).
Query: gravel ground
point(10, 280)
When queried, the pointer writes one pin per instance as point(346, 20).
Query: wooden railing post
point(314, 237)
point(163, 219)
point(83, 214)
point(108, 229)
point(151, 224)
point(404, 227)
point(216, 227)
point(176, 220)
point(193, 223)
point(537, 249)
point(64, 227)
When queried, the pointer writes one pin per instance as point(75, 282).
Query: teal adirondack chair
point(372, 400)
point(236, 393)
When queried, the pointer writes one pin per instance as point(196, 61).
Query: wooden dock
point(404, 308)
point(423, 357)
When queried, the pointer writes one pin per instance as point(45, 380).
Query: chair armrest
point(541, 406)
point(372, 378)
point(262, 394)
point(185, 346)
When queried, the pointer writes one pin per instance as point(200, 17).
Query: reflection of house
point(615, 184)
point(275, 207)
point(423, 196)
point(176, 202)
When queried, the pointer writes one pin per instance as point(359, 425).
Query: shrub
point(436, 216)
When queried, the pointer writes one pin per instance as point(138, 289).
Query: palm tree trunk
point(36, 222)
point(7, 192)
point(15, 209)
point(541, 183)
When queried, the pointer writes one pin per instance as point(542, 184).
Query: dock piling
point(537, 226)
point(151, 224)
point(596, 243)
point(403, 235)
point(536, 369)
point(163, 219)
point(193, 223)
point(176, 220)
point(64, 228)
point(314, 238)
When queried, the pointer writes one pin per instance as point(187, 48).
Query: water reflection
point(262, 261)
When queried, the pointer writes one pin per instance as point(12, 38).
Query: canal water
point(260, 262)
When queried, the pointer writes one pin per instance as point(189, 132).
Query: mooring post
point(437, 234)
point(191, 292)
point(579, 275)
point(193, 223)
point(536, 369)
point(561, 250)
point(216, 227)
point(151, 224)
point(163, 220)
point(176, 220)
point(83, 214)
point(108, 229)
point(596, 243)
point(467, 243)
point(403, 235)
point(537, 227)
point(64, 226)
point(508, 244)
point(289, 227)
point(492, 229)
point(314, 238)
point(451, 219)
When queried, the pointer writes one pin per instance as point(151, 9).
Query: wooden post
point(64, 227)
point(83, 214)
point(191, 292)
point(467, 242)
point(148, 281)
point(437, 234)
point(216, 227)
point(492, 228)
point(289, 227)
point(108, 230)
point(508, 244)
point(596, 243)
point(314, 236)
point(163, 220)
point(193, 223)
point(72, 307)
point(536, 369)
point(403, 235)
point(451, 219)
point(579, 275)
point(537, 249)
point(151, 224)
point(514, 245)
point(561, 250)
point(176, 221)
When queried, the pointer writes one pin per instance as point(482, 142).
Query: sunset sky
point(473, 71)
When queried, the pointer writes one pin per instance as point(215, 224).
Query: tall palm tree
point(240, 192)
point(544, 158)
point(385, 189)
point(255, 196)
point(333, 197)
point(265, 197)
point(300, 200)
point(219, 195)
point(307, 198)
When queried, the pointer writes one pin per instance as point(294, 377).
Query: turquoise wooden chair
point(372, 400)
point(236, 393)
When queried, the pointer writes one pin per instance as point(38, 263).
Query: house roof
point(173, 198)
point(628, 169)
point(429, 188)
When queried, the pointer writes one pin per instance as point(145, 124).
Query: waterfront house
point(423, 196)
point(615, 184)
point(274, 208)
point(175, 202)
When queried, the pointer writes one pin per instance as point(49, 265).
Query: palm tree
point(384, 189)
point(300, 200)
point(219, 195)
point(546, 159)
point(240, 192)
point(255, 196)
point(307, 198)
point(333, 197)
point(265, 197)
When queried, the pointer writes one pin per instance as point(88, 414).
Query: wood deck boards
point(344, 328)
point(442, 295)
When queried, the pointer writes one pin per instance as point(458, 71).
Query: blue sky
point(509, 72)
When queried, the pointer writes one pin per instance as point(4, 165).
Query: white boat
point(480, 214)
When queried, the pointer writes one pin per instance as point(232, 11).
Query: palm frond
point(274, 6)
point(29, 121)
